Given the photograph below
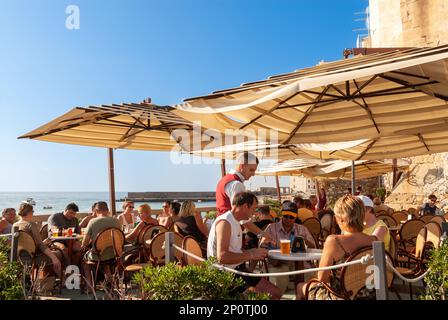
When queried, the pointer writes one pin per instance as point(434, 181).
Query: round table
point(298, 258)
point(70, 240)
point(310, 254)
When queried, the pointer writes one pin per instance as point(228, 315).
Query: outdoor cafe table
point(70, 241)
point(298, 258)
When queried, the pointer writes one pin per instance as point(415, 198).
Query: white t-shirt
point(234, 187)
point(236, 237)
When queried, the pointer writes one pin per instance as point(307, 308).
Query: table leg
point(70, 249)
point(298, 278)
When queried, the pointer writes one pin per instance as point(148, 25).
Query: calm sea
point(58, 200)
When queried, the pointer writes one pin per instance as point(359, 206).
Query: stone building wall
point(413, 23)
point(336, 188)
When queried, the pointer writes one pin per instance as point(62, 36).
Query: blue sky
point(126, 51)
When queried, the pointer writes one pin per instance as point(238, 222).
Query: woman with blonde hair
point(190, 223)
point(349, 213)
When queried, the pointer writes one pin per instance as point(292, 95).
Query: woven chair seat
point(405, 271)
point(137, 267)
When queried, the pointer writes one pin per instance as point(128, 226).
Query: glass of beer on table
point(285, 246)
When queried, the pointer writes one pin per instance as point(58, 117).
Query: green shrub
point(381, 192)
point(437, 278)
point(172, 282)
point(10, 275)
point(211, 215)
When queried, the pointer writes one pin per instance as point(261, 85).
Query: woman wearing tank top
point(349, 214)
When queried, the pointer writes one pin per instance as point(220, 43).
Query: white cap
point(366, 200)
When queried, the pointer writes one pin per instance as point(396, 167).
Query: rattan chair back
point(110, 238)
point(426, 218)
point(388, 220)
point(409, 232)
point(157, 248)
point(191, 245)
point(438, 220)
point(44, 232)
point(313, 226)
point(433, 233)
point(354, 277)
point(326, 223)
point(399, 216)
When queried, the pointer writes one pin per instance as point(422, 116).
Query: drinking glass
point(285, 246)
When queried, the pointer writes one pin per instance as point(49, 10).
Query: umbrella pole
point(277, 181)
point(394, 174)
point(353, 177)
point(112, 181)
point(223, 167)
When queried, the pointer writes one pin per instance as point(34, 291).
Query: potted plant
point(10, 275)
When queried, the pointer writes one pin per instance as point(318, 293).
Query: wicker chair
point(413, 211)
point(408, 233)
point(26, 255)
point(112, 238)
point(426, 218)
point(44, 232)
point(380, 212)
point(388, 220)
point(399, 216)
point(433, 234)
point(353, 278)
point(191, 245)
point(415, 259)
point(438, 219)
point(157, 249)
point(327, 226)
point(314, 227)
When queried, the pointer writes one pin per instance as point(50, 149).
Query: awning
point(332, 169)
point(364, 97)
point(126, 126)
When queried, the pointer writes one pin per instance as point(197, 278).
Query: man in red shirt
point(233, 183)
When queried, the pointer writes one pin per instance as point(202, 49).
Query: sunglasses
point(289, 217)
point(132, 207)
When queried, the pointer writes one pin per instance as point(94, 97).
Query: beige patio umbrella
point(134, 126)
point(377, 98)
point(333, 168)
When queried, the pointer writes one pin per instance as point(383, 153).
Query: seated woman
point(190, 223)
point(174, 211)
point(85, 221)
point(146, 220)
point(128, 218)
point(43, 254)
point(165, 218)
point(349, 213)
point(374, 227)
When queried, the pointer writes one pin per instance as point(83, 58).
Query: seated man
point(264, 218)
point(226, 239)
point(303, 212)
point(430, 207)
point(90, 216)
point(65, 220)
point(379, 206)
point(286, 228)
point(102, 222)
point(8, 219)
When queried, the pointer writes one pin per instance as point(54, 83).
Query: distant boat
point(30, 201)
point(48, 207)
